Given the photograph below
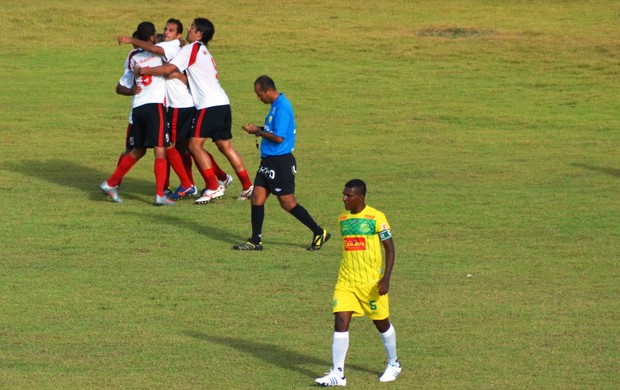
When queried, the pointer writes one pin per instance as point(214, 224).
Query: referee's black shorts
point(277, 174)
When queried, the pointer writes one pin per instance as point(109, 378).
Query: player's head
point(265, 89)
point(146, 31)
point(357, 184)
point(173, 29)
point(203, 31)
point(354, 195)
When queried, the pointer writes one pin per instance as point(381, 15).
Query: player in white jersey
point(149, 126)
point(126, 88)
point(180, 111)
point(213, 118)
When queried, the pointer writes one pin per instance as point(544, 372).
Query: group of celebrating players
point(177, 103)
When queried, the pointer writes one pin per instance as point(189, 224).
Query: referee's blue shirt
point(281, 122)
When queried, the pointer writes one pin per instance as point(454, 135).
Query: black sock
point(304, 217)
point(258, 216)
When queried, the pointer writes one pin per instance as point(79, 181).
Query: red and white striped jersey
point(202, 75)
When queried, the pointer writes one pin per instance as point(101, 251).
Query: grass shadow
point(608, 171)
point(205, 229)
point(274, 354)
point(72, 175)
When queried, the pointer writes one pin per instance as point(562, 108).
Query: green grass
point(487, 132)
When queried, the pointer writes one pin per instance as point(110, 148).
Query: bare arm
point(122, 90)
point(141, 44)
point(384, 283)
point(162, 70)
point(179, 76)
point(253, 129)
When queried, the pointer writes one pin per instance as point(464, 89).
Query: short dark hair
point(357, 183)
point(206, 28)
point(145, 31)
point(265, 82)
point(178, 23)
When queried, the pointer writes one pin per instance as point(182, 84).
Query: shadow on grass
point(608, 171)
point(69, 174)
point(274, 354)
point(205, 229)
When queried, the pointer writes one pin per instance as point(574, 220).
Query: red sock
point(118, 163)
point(174, 160)
point(160, 175)
point(167, 180)
point(126, 163)
point(187, 163)
point(221, 175)
point(210, 179)
point(120, 158)
point(244, 179)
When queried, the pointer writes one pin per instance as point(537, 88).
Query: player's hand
point(123, 39)
point(136, 71)
point(383, 286)
point(136, 89)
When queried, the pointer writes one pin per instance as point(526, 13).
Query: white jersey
point(177, 92)
point(153, 87)
point(195, 59)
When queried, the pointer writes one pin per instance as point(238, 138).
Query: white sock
point(389, 343)
point(340, 345)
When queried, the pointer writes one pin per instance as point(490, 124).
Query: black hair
point(178, 23)
point(357, 183)
point(265, 82)
point(206, 28)
point(145, 31)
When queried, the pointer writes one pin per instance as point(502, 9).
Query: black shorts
point(213, 122)
point(149, 126)
point(277, 174)
point(180, 122)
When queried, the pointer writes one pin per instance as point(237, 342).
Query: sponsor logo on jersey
point(354, 244)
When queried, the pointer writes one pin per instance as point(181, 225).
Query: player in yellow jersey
point(363, 281)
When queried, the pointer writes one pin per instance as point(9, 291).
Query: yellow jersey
point(362, 257)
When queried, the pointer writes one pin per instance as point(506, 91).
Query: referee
point(276, 174)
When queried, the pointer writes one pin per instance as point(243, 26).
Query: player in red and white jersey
point(127, 87)
point(149, 124)
point(180, 111)
point(213, 118)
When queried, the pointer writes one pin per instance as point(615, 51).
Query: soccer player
point(213, 118)
point(149, 125)
point(179, 103)
point(363, 281)
point(127, 87)
point(276, 173)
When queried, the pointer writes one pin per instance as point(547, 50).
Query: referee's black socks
point(304, 217)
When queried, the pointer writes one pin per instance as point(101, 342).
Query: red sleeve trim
point(194, 55)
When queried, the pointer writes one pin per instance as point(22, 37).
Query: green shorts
point(361, 300)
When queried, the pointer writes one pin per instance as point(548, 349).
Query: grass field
point(487, 131)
